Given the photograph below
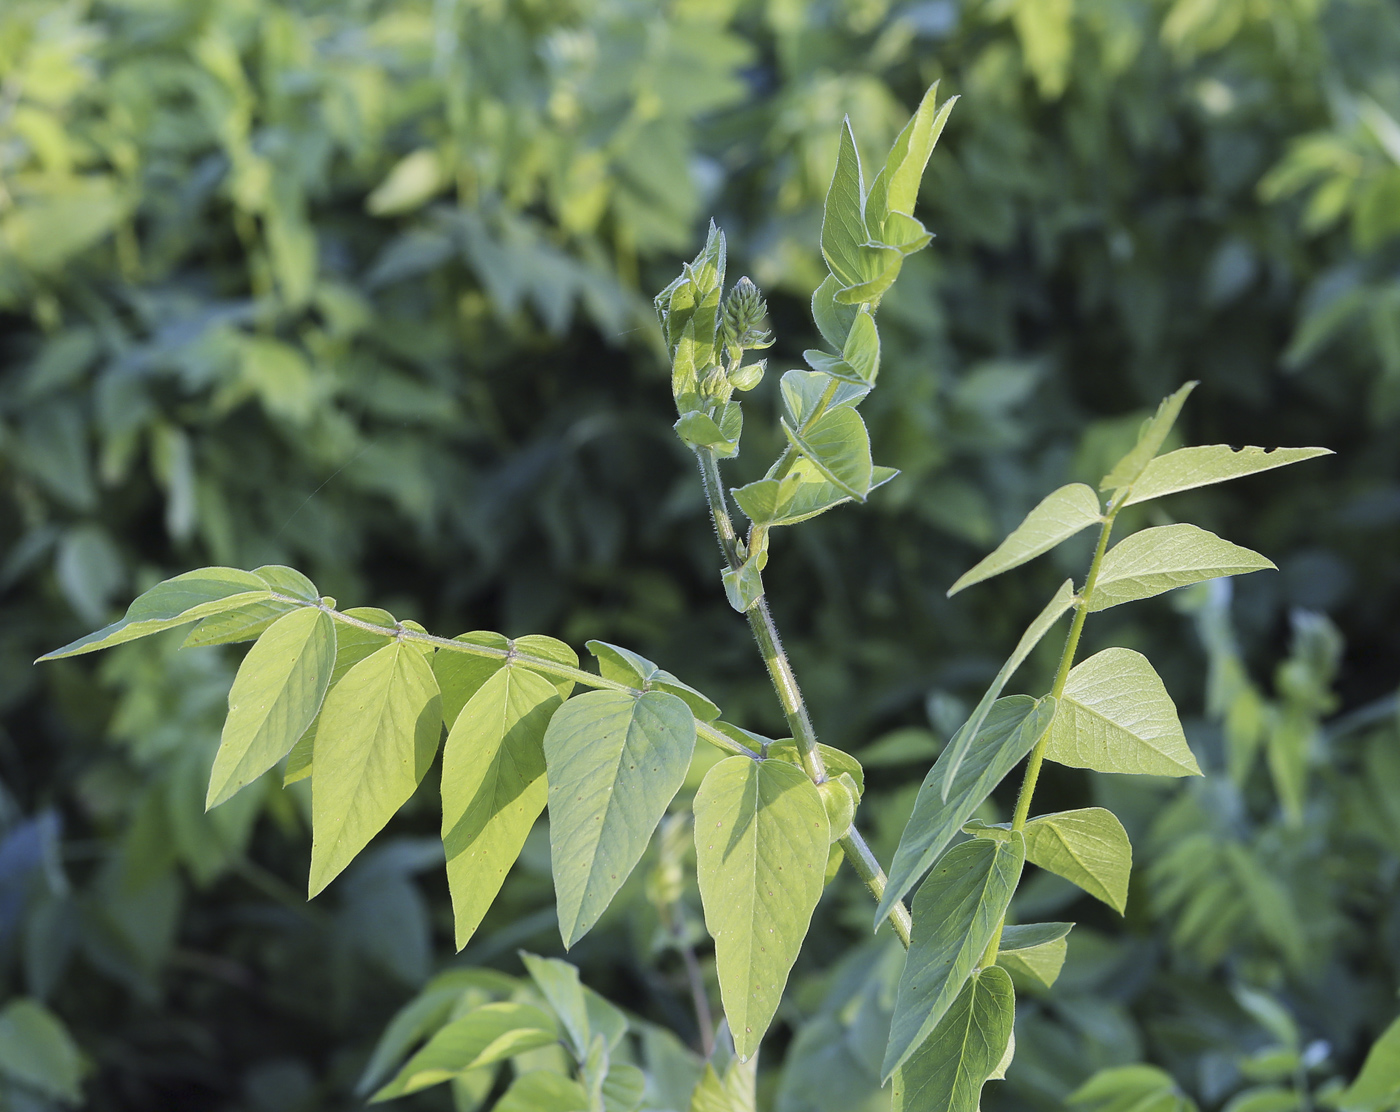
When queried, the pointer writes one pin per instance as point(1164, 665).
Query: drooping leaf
point(490, 1033)
point(1059, 516)
point(624, 666)
point(1116, 716)
point(173, 602)
point(838, 445)
point(1010, 731)
point(615, 762)
point(37, 1051)
point(761, 838)
point(377, 735)
point(275, 696)
point(957, 748)
point(543, 1091)
point(1187, 468)
point(1088, 847)
point(1377, 1086)
point(1035, 950)
point(493, 787)
point(1165, 557)
point(956, 913)
point(947, 1072)
point(1149, 442)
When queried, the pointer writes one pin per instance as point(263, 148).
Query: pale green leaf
point(624, 1087)
point(957, 748)
point(1088, 847)
point(761, 838)
point(1149, 442)
point(1187, 468)
point(1166, 557)
point(1035, 950)
point(743, 586)
point(862, 349)
point(898, 190)
point(37, 1051)
point(837, 761)
point(624, 666)
point(803, 493)
point(727, 1088)
point(1010, 731)
point(412, 182)
point(956, 912)
point(833, 318)
point(803, 391)
point(540, 647)
point(1136, 1088)
point(947, 1072)
point(1264, 1098)
point(247, 623)
point(1377, 1086)
point(699, 430)
point(559, 982)
point(1059, 516)
point(615, 762)
point(490, 1033)
point(1116, 716)
point(843, 217)
point(174, 602)
point(493, 787)
point(377, 735)
point(460, 675)
point(288, 582)
point(275, 696)
point(542, 1091)
point(838, 445)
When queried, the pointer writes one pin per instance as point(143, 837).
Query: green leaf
point(947, 1072)
point(1059, 516)
point(833, 318)
point(761, 838)
point(843, 216)
point(731, 1087)
point(956, 912)
point(1088, 847)
point(559, 982)
point(1131, 1089)
point(1377, 1086)
point(837, 761)
point(542, 1091)
point(615, 762)
point(803, 493)
point(859, 361)
point(1264, 1098)
point(624, 1088)
point(460, 675)
point(1035, 950)
point(488, 1034)
point(493, 787)
point(958, 747)
point(803, 391)
point(248, 622)
point(898, 188)
point(287, 581)
point(37, 1051)
point(1166, 557)
point(624, 666)
point(275, 696)
point(1010, 731)
point(838, 445)
point(698, 430)
point(1186, 468)
point(1149, 442)
point(743, 587)
point(377, 735)
point(1116, 716)
point(174, 602)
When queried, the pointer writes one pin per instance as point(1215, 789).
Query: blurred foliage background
point(363, 286)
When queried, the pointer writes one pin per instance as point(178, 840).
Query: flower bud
point(744, 313)
point(746, 378)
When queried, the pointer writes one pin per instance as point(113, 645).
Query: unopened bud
point(746, 378)
point(745, 310)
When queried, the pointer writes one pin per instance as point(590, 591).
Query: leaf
point(837, 761)
point(803, 390)
point(698, 430)
point(956, 912)
point(948, 1071)
point(559, 982)
point(859, 361)
point(904, 166)
point(838, 445)
point(247, 623)
point(833, 318)
point(287, 581)
point(488, 1034)
point(957, 749)
point(1116, 716)
point(843, 216)
point(460, 675)
point(1010, 731)
point(743, 587)
point(1377, 1086)
point(1186, 468)
point(275, 696)
point(542, 1091)
point(734, 1089)
point(1166, 557)
point(615, 762)
point(1058, 516)
point(1131, 1089)
point(1264, 1098)
point(624, 666)
point(37, 1051)
point(493, 787)
point(803, 493)
point(1036, 950)
point(1149, 442)
point(174, 602)
point(377, 735)
point(1088, 847)
point(761, 838)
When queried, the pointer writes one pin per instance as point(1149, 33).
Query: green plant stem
point(765, 632)
point(535, 663)
point(1037, 758)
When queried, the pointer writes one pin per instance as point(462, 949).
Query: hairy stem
point(780, 671)
point(1037, 758)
